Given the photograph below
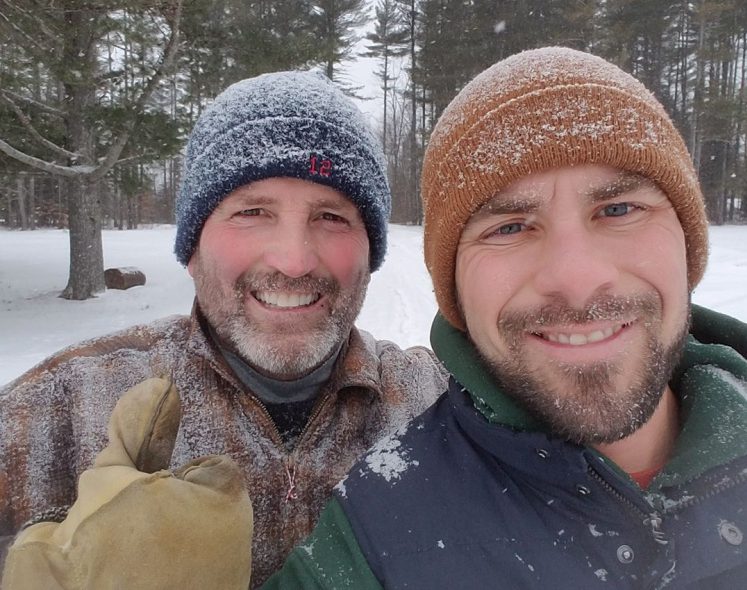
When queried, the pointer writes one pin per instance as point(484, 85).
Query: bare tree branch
point(67, 171)
point(26, 122)
point(95, 173)
point(23, 34)
point(50, 35)
point(137, 158)
point(35, 103)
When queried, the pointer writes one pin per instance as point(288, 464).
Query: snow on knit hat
point(292, 124)
point(538, 110)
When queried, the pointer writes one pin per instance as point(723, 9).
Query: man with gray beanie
point(267, 388)
point(594, 431)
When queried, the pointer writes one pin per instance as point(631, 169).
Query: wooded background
point(97, 98)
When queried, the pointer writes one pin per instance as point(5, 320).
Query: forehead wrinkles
point(529, 198)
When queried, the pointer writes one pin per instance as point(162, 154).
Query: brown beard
point(584, 406)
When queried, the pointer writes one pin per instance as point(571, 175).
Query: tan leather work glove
point(136, 526)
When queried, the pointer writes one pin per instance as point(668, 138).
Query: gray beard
point(583, 406)
point(282, 355)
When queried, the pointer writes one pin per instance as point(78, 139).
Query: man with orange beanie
point(594, 432)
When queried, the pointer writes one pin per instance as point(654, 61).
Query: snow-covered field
point(35, 322)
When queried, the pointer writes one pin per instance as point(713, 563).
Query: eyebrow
point(624, 183)
point(336, 205)
point(245, 200)
point(500, 205)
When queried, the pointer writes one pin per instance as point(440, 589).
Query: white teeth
point(581, 339)
point(286, 300)
point(577, 339)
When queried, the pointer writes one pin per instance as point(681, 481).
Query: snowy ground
point(34, 322)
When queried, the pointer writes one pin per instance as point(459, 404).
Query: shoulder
point(711, 327)
point(112, 352)
point(416, 366)
point(400, 459)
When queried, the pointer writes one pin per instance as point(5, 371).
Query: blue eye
point(617, 209)
point(510, 228)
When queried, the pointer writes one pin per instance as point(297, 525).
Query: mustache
point(277, 281)
point(599, 308)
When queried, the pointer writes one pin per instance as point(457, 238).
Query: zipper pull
point(653, 521)
point(291, 473)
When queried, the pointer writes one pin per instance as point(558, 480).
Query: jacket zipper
point(318, 407)
point(254, 399)
point(291, 458)
point(289, 461)
point(651, 520)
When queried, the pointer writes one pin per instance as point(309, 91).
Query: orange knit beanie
point(538, 110)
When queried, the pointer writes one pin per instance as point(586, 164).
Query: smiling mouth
point(579, 339)
point(286, 300)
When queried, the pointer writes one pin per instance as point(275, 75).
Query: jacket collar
point(710, 381)
point(456, 351)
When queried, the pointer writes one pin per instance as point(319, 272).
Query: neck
point(270, 389)
point(651, 445)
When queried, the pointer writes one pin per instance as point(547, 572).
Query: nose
point(291, 251)
point(576, 265)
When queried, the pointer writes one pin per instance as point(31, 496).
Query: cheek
point(225, 259)
point(345, 257)
point(661, 262)
point(660, 258)
point(485, 285)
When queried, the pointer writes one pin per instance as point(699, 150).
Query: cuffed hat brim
point(286, 124)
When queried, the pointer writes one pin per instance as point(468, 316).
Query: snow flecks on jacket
point(736, 383)
point(529, 566)
point(308, 548)
point(389, 459)
point(53, 422)
point(601, 573)
point(341, 489)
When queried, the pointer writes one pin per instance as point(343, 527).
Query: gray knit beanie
point(291, 124)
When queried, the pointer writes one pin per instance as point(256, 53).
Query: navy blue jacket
point(496, 508)
point(474, 494)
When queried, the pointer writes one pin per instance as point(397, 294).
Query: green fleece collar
point(710, 381)
point(460, 358)
point(711, 384)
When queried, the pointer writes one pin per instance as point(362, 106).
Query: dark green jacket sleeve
point(329, 558)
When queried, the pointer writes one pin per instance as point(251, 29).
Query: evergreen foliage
point(95, 106)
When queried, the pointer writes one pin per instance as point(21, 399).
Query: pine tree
point(387, 42)
point(67, 39)
point(336, 23)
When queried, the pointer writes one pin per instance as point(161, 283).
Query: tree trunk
point(84, 207)
point(86, 251)
point(414, 170)
point(9, 199)
point(21, 200)
point(695, 144)
point(31, 202)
